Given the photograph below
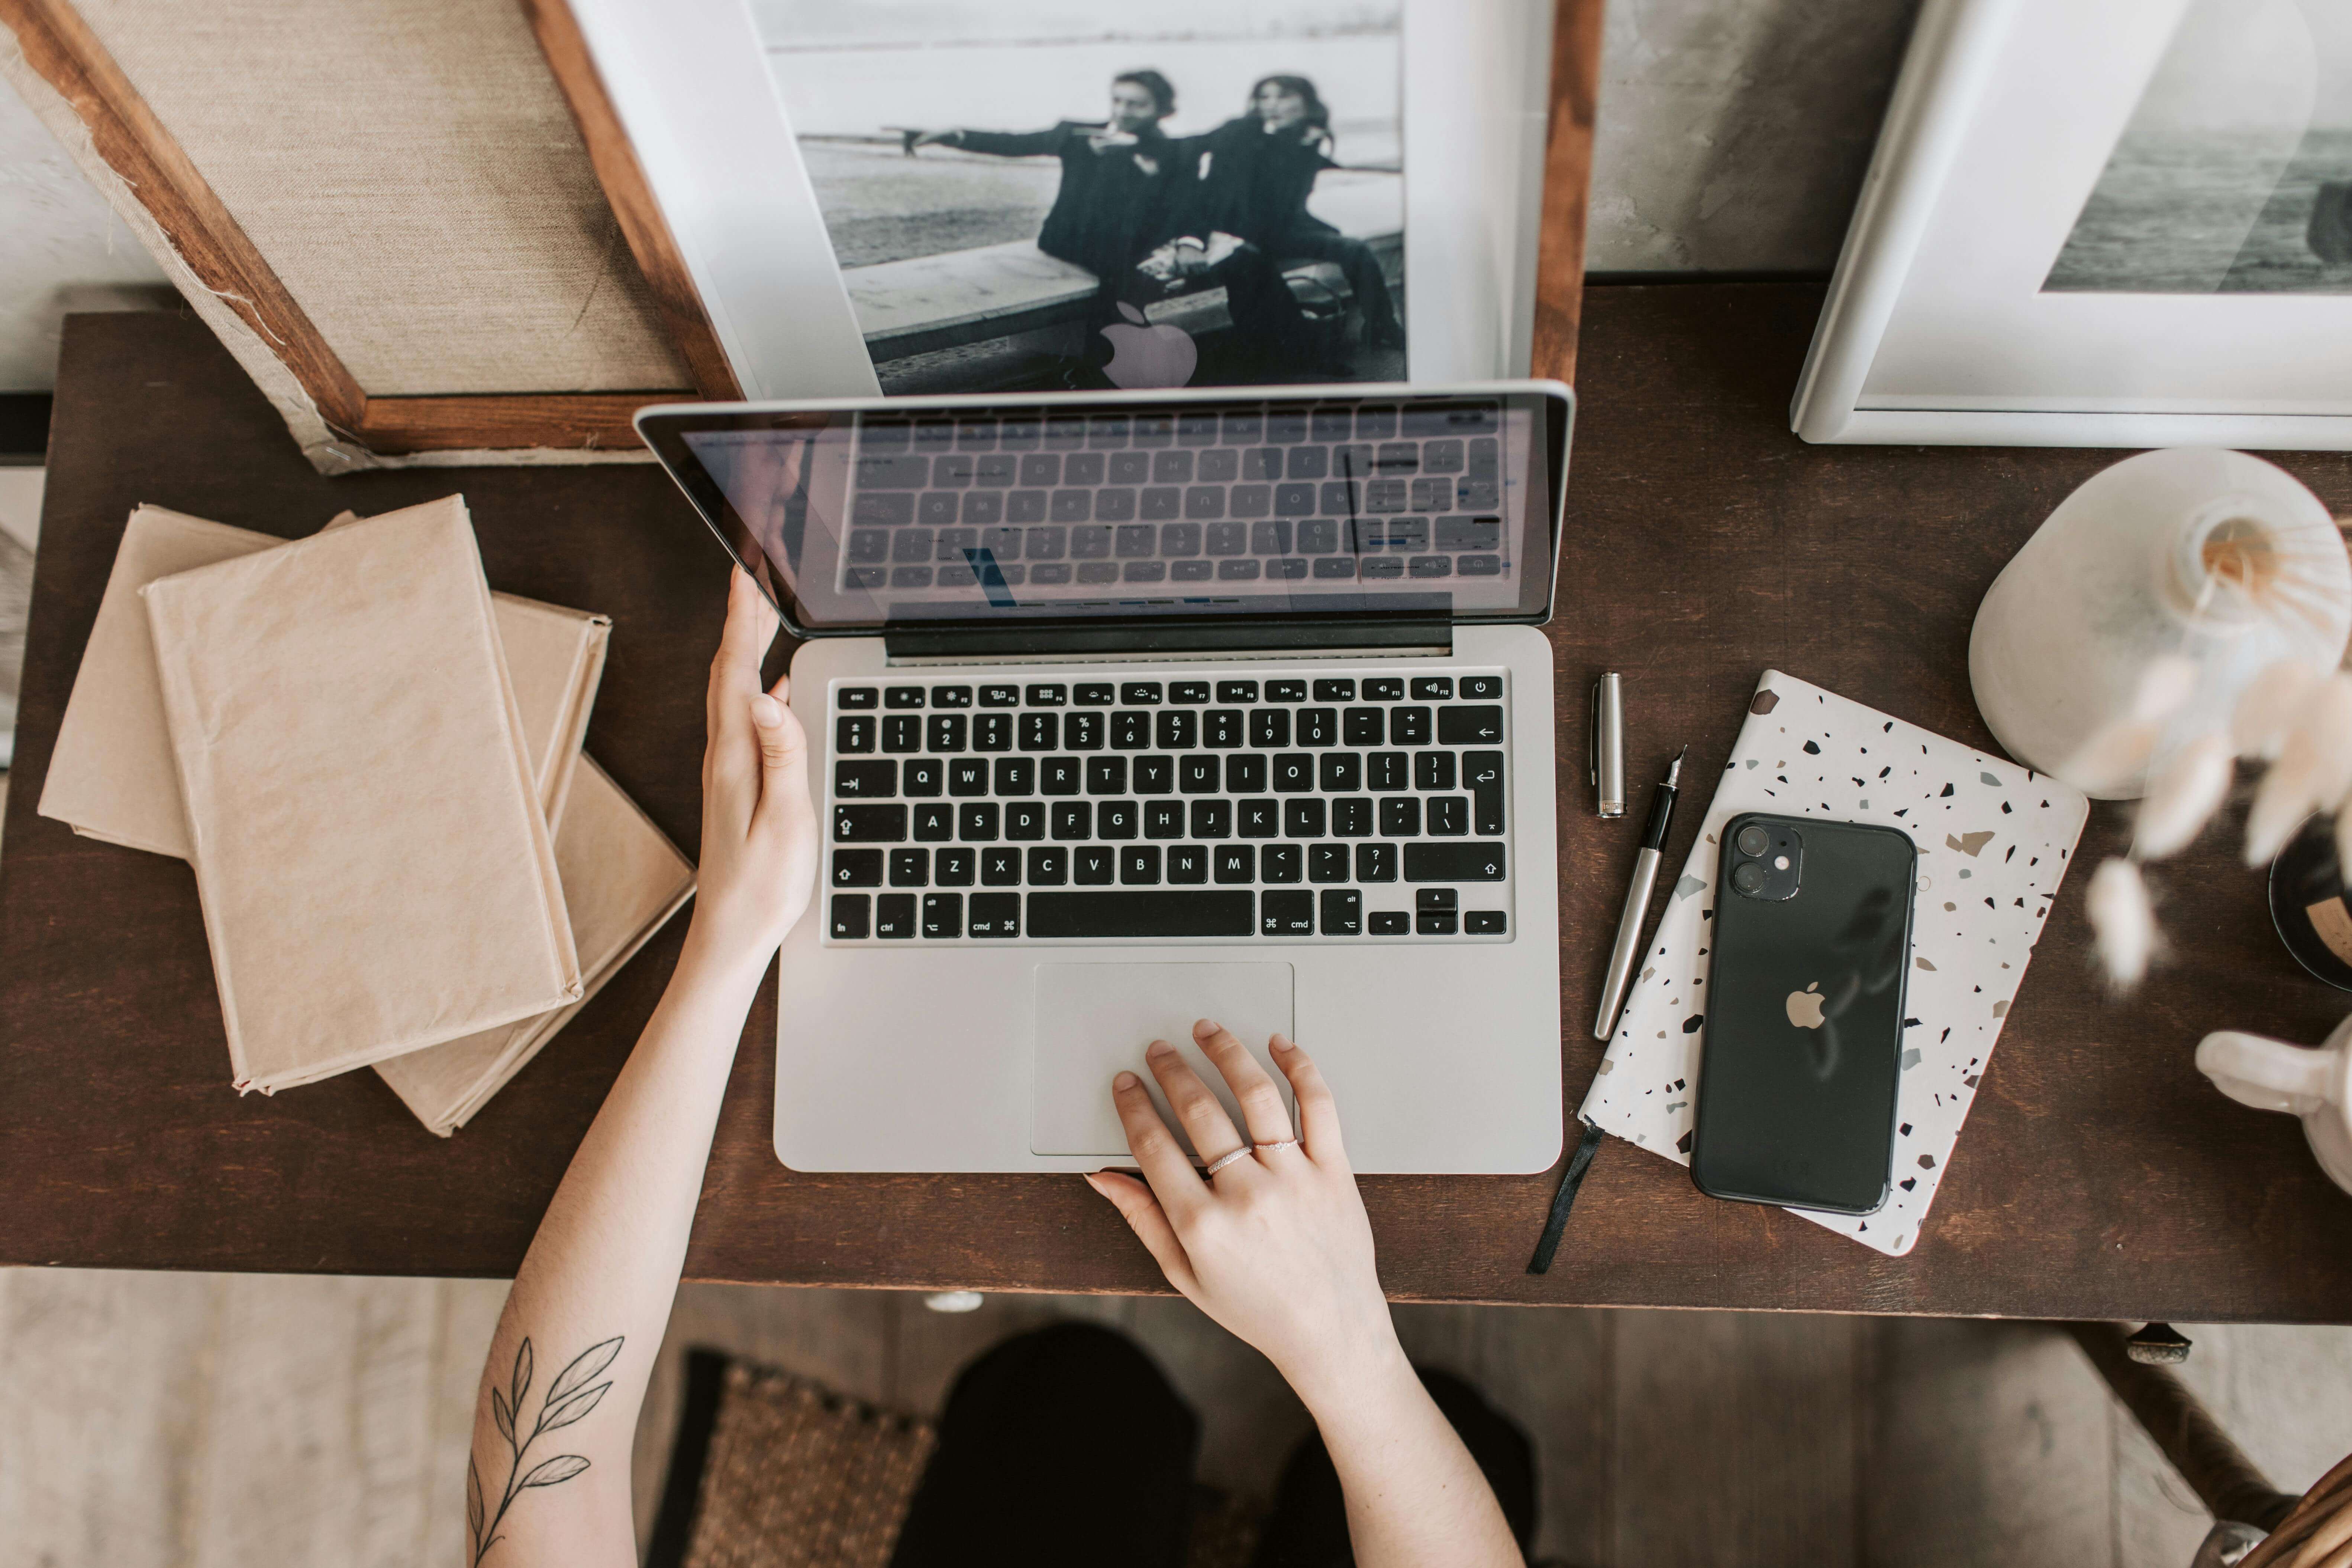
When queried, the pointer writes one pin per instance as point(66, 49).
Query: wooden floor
point(189, 1419)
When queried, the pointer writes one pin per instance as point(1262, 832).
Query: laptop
point(1132, 709)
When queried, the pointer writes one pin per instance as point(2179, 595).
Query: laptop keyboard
point(1321, 495)
point(1353, 806)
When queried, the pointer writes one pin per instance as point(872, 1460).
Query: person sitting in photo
point(1114, 173)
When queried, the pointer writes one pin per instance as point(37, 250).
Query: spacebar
point(1140, 913)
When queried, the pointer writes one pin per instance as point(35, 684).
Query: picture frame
point(2022, 271)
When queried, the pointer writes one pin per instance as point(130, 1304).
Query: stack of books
point(374, 764)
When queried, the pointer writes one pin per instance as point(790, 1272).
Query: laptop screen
point(1062, 510)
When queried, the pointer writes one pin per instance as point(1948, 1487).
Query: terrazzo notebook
point(1994, 840)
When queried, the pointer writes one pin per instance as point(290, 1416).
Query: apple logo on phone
point(1144, 356)
point(1805, 1006)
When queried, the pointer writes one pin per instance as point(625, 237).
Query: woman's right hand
point(1275, 1247)
point(928, 139)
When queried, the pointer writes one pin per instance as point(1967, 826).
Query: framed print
point(2107, 223)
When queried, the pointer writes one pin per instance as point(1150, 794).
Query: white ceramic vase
point(2123, 573)
point(2314, 1084)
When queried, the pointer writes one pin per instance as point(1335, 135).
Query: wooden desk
point(2099, 1175)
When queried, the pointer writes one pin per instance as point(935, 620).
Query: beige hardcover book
point(372, 858)
point(622, 882)
point(110, 776)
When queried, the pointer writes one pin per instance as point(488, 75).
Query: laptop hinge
point(1238, 639)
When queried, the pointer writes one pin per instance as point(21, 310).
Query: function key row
point(1286, 424)
point(1151, 693)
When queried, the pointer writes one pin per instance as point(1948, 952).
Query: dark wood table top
point(2099, 1175)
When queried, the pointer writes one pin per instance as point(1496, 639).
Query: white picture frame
point(1938, 330)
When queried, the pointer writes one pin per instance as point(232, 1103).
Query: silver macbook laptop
point(1133, 709)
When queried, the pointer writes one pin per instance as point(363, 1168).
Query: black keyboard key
point(1046, 696)
point(902, 732)
point(1286, 914)
point(910, 867)
point(1433, 770)
point(857, 868)
point(1000, 868)
point(1041, 731)
point(1319, 726)
point(1058, 776)
point(903, 696)
point(1385, 771)
point(1376, 863)
point(1221, 727)
point(954, 868)
point(1335, 691)
point(991, 732)
point(946, 732)
point(1139, 693)
point(1351, 817)
point(1164, 913)
point(1449, 816)
point(934, 823)
point(1197, 775)
point(894, 916)
point(999, 697)
point(995, 915)
point(942, 915)
point(1177, 729)
point(1260, 819)
point(849, 697)
point(1343, 911)
point(1155, 776)
point(1188, 863)
point(1466, 862)
point(1213, 818)
point(865, 781)
point(1094, 694)
point(1469, 726)
point(1360, 727)
point(1445, 923)
point(1244, 774)
point(1399, 817)
point(1105, 775)
point(1409, 726)
point(1427, 898)
point(1115, 819)
point(1192, 692)
point(1269, 728)
point(1303, 819)
point(1340, 772)
point(1482, 685)
point(1387, 688)
point(1139, 865)
point(1163, 819)
point(1327, 863)
point(1482, 772)
point(1049, 867)
point(1235, 863)
point(1231, 691)
point(924, 776)
point(950, 696)
point(1090, 865)
point(1486, 923)
point(1025, 820)
point(1392, 922)
point(977, 824)
point(1286, 691)
point(1281, 862)
point(869, 823)
point(1432, 688)
point(1015, 776)
point(852, 733)
point(1084, 732)
point(1130, 730)
point(853, 917)
point(1074, 820)
point(967, 775)
point(1293, 772)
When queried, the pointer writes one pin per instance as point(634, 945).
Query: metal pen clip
point(1605, 746)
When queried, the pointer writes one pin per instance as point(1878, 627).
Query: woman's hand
point(760, 847)
point(1275, 1247)
point(910, 140)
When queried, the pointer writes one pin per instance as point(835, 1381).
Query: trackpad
point(1094, 1019)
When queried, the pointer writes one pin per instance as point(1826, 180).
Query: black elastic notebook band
point(1565, 1199)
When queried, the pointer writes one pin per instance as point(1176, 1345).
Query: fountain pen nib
point(1676, 772)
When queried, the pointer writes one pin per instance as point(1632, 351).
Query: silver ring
point(1223, 1161)
point(1281, 1144)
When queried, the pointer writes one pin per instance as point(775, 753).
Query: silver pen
point(1637, 901)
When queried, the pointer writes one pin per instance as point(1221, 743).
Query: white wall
point(61, 249)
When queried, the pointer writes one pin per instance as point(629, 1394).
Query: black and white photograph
point(2234, 173)
point(1041, 194)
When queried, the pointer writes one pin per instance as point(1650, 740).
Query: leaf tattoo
point(568, 1399)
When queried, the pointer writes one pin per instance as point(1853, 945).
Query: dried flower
point(2269, 705)
point(2119, 753)
point(2182, 797)
point(2313, 773)
point(2123, 922)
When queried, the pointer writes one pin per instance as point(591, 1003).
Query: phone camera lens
point(1749, 877)
point(1754, 840)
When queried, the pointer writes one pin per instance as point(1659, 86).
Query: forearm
point(1415, 1495)
point(604, 1267)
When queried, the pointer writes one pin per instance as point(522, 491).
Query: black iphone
point(1812, 940)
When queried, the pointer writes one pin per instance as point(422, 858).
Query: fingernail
point(1159, 1048)
point(1125, 1080)
point(1282, 1042)
point(1207, 1026)
point(766, 712)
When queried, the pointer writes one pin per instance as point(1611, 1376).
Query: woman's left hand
point(759, 837)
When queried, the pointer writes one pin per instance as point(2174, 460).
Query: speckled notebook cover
point(1994, 842)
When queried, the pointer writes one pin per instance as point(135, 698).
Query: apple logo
point(1145, 356)
point(1805, 1006)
